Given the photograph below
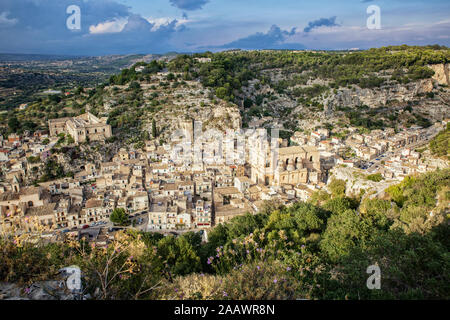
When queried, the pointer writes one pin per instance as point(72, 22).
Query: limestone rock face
point(426, 86)
point(378, 97)
point(356, 181)
point(441, 73)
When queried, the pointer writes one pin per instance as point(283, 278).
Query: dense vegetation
point(229, 71)
point(244, 78)
point(316, 250)
point(440, 145)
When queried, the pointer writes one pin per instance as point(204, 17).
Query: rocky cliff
point(441, 73)
point(379, 96)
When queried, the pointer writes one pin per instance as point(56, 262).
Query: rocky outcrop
point(441, 73)
point(356, 182)
point(379, 97)
point(45, 290)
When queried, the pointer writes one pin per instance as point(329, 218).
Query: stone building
point(15, 205)
point(12, 203)
point(291, 165)
point(81, 128)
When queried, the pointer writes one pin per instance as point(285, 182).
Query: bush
point(440, 145)
point(119, 217)
point(377, 177)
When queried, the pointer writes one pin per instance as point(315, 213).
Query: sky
point(161, 26)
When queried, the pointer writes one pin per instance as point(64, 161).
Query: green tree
point(339, 205)
point(221, 92)
point(337, 187)
point(179, 255)
point(413, 266)
point(154, 129)
point(120, 217)
point(344, 231)
point(135, 85)
point(13, 124)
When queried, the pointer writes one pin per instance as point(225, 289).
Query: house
point(202, 214)
point(95, 210)
point(237, 207)
point(242, 183)
point(184, 221)
point(139, 202)
point(4, 154)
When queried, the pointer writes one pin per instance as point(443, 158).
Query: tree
point(135, 85)
point(345, 230)
point(248, 103)
point(179, 254)
point(308, 217)
point(337, 188)
point(170, 77)
point(341, 204)
point(79, 90)
point(119, 217)
point(145, 135)
point(13, 124)
point(154, 129)
point(221, 92)
point(413, 267)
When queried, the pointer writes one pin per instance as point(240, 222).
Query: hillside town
point(161, 193)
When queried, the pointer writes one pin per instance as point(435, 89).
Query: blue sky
point(159, 26)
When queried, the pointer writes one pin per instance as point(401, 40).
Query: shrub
point(377, 177)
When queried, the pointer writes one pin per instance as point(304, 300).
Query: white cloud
point(117, 25)
point(161, 22)
point(5, 21)
point(114, 26)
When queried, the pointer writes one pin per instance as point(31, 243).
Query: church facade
point(82, 128)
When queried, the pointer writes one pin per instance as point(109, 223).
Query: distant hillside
point(23, 75)
point(300, 90)
point(33, 57)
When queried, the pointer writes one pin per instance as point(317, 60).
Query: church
point(82, 128)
